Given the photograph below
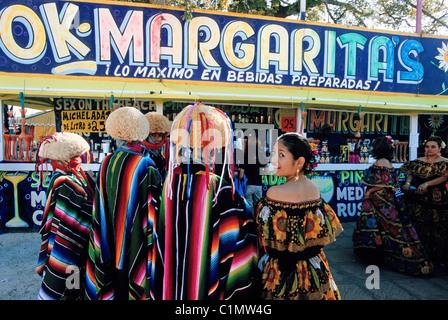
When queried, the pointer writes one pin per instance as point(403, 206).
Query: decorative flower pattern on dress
point(384, 227)
point(293, 227)
point(265, 213)
point(271, 275)
point(385, 177)
point(312, 227)
point(280, 224)
point(304, 277)
point(320, 215)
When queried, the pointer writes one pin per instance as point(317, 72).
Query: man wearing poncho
point(205, 244)
point(156, 143)
point(67, 217)
point(126, 199)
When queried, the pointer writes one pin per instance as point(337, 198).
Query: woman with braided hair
point(294, 225)
point(384, 233)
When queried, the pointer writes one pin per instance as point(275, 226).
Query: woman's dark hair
point(298, 146)
point(436, 139)
point(382, 148)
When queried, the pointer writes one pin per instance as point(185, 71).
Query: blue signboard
point(139, 41)
point(343, 190)
point(22, 200)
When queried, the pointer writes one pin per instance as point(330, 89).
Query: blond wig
point(127, 123)
point(197, 133)
point(62, 146)
point(158, 123)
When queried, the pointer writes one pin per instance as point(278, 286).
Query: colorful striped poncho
point(203, 249)
point(65, 235)
point(126, 199)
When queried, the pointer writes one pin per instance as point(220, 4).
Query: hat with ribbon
point(128, 124)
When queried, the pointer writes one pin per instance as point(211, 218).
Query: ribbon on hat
point(153, 146)
point(135, 146)
point(40, 161)
point(73, 166)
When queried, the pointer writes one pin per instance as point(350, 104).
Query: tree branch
point(428, 14)
point(347, 7)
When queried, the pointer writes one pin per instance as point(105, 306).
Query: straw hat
point(202, 117)
point(158, 123)
point(62, 146)
point(127, 123)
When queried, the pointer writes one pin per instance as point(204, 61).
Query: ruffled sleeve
point(321, 225)
point(408, 167)
point(376, 176)
point(296, 226)
point(425, 170)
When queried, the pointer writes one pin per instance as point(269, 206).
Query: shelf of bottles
point(358, 150)
point(237, 113)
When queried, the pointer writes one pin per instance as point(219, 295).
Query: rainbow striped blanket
point(126, 200)
point(205, 247)
point(65, 235)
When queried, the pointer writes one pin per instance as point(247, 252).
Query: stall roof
point(292, 97)
point(37, 103)
point(405, 72)
point(44, 124)
point(39, 90)
point(41, 119)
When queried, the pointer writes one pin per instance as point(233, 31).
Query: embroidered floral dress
point(429, 211)
point(292, 235)
point(384, 233)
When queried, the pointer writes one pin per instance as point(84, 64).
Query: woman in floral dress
point(384, 234)
point(426, 198)
point(294, 224)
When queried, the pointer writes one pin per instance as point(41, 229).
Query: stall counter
point(340, 186)
point(23, 195)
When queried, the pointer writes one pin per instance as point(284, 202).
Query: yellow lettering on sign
point(280, 54)
point(84, 120)
point(343, 121)
point(246, 51)
point(353, 124)
point(212, 34)
point(60, 31)
point(313, 40)
point(36, 31)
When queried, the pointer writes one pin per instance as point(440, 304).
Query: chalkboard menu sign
point(87, 117)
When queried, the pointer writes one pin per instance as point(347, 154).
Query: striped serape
point(126, 199)
point(204, 248)
point(65, 234)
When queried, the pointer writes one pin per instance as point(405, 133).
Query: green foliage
point(397, 15)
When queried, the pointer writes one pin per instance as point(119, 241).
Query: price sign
point(84, 120)
point(288, 124)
